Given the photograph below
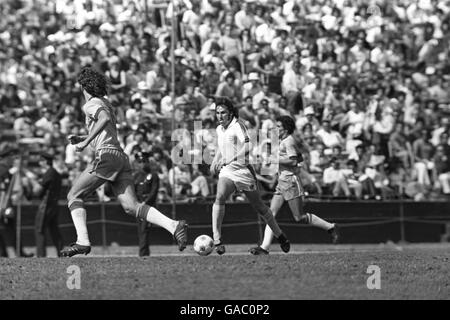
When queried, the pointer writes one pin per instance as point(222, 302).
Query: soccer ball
point(203, 245)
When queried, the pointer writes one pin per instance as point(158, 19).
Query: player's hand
point(74, 139)
point(81, 146)
point(212, 168)
point(216, 167)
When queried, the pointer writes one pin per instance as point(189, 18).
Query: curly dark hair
point(94, 82)
point(288, 123)
point(227, 103)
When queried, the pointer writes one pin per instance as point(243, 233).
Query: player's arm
point(74, 139)
point(102, 120)
point(289, 160)
point(244, 152)
point(216, 163)
point(217, 156)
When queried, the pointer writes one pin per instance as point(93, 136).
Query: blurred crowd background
point(366, 81)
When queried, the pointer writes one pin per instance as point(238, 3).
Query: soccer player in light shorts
point(110, 164)
point(231, 161)
point(289, 187)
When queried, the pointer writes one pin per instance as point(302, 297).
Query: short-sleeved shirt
point(288, 148)
point(230, 141)
point(107, 138)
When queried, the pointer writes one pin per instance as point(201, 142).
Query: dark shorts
point(109, 164)
point(289, 187)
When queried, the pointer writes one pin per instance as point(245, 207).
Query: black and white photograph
point(225, 155)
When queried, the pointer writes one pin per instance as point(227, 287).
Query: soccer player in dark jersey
point(289, 187)
point(110, 164)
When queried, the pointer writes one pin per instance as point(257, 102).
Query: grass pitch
point(308, 272)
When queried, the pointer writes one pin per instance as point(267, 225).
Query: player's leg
point(296, 205)
point(85, 184)
point(124, 190)
point(225, 187)
point(255, 200)
point(275, 205)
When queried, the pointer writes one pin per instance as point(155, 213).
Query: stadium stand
point(373, 74)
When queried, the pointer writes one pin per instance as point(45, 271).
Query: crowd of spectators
point(368, 83)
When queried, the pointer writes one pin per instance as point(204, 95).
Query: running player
point(110, 164)
point(289, 187)
point(235, 173)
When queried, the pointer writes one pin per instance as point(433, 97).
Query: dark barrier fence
point(361, 222)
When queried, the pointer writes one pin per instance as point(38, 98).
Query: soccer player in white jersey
point(231, 161)
point(110, 164)
point(289, 187)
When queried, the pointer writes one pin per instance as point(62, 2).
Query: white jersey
point(230, 141)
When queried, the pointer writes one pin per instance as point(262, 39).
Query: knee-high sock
point(218, 212)
point(319, 222)
point(79, 220)
point(270, 220)
point(311, 220)
point(268, 237)
point(154, 216)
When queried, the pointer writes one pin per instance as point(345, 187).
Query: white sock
point(218, 212)
point(318, 222)
point(268, 237)
point(79, 220)
point(271, 222)
point(156, 217)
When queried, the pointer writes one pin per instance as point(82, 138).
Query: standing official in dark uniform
point(47, 215)
point(147, 186)
point(7, 218)
point(5, 164)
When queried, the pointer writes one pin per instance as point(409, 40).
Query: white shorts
point(244, 179)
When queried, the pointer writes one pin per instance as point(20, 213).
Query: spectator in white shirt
point(265, 33)
point(444, 127)
point(244, 19)
point(292, 86)
point(309, 116)
point(334, 178)
point(353, 120)
point(253, 86)
point(45, 124)
point(329, 137)
point(199, 185)
point(134, 114)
